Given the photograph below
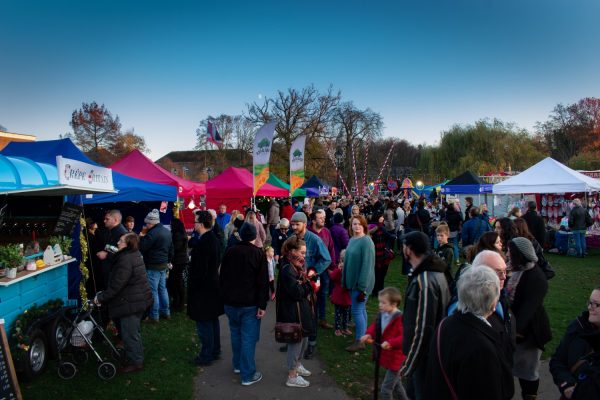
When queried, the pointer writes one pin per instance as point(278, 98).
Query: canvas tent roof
point(137, 165)
point(548, 176)
point(466, 183)
point(233, 187)
point(128, 188)
point(20, 175)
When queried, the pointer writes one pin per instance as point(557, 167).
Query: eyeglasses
point(501, 274)
point(593, 304)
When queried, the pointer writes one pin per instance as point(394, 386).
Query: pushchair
point(74, 347)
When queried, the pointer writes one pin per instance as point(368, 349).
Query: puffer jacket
point(157, 247)
point(426, 301)
point(128, 291)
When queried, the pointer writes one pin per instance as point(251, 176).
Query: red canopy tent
point(233, 187)
point(139, 166)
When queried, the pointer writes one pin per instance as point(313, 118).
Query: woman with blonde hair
point(261, 235)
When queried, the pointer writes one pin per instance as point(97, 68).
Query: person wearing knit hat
point(156, 246)
point(526, 288)
point(525, 248)
point(299, 216)
point(248, 232)
point(283, 224)
point(152, 218)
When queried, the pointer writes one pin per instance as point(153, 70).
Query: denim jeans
point(244, 330)
point(580, 245)
point(158, 285)
point(454, 241)
point(359, 313)
point(322, 295)
point(209, 333)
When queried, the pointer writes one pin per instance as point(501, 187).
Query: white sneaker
point(298, 381)
point(303, 371)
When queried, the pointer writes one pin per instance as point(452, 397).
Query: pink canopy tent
point(139, 166)
point(233, 187)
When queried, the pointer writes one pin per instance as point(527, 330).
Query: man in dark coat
point(466, 360)
point(108, 239)
point(577, 222)
point(244, 283)
point(204, 303)
point(535, 223)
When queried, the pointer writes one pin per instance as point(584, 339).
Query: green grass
point(567, 296)
point(168, 348)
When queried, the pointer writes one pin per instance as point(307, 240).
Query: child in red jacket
point(340, 297)
point(386, 331)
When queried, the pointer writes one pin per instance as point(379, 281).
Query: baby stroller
point(76, 344)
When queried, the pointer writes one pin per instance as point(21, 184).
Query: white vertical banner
point(297, 163)
point(261, 155)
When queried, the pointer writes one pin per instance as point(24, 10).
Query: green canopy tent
point(275, 181)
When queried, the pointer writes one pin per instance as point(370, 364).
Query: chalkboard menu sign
point(9, 386)
point(69, 215)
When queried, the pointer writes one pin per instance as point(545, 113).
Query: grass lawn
point(567, 297)
point(170, 346)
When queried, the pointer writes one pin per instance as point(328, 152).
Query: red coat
point(287, 212)
point(390, 359)
point(339, 296)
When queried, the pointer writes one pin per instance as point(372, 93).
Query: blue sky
point(163, 66)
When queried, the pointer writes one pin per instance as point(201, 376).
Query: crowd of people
point(473, 310)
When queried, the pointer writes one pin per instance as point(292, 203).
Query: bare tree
point(358, 128)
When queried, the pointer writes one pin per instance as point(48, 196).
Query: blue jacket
point(223, 219)
point(317, 255)
point(473, 229)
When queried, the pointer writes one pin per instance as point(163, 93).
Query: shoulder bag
point(288, 332)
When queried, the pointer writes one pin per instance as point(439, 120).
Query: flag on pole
point(262, 154)
point(213, 135)
point(297, 163)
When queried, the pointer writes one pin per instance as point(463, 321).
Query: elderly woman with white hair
point(466, 360)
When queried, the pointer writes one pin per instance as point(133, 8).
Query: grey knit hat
point(526, 248)
point(152, 218)
point(299, 217)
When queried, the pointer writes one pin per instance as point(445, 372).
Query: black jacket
point(157, 247)
point(532, 321)
point(295, 295)
point(244, 276)
point(204, 300)
point(454, 219)
point(128, 291)
point(536, 226)
point(472, 358)
point(426, 301)
point(577, 219)
point(180, 254)
point(572, 348)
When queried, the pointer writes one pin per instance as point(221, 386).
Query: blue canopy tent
point(466, 183)
point(313, 187)
point(128, 189)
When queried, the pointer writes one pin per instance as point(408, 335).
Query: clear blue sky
point(162, 66)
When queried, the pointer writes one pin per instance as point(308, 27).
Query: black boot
point(309, 353)
point(529, 389)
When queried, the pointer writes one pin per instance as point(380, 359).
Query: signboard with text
point(78, 174)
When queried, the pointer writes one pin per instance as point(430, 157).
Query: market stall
point(314, 187)
point(554, 186)
point(35, 282)
point(233, 187)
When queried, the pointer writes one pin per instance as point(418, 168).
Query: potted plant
point(11, 257)
point(64, 242)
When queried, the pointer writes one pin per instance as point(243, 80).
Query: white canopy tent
point(547, 176)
